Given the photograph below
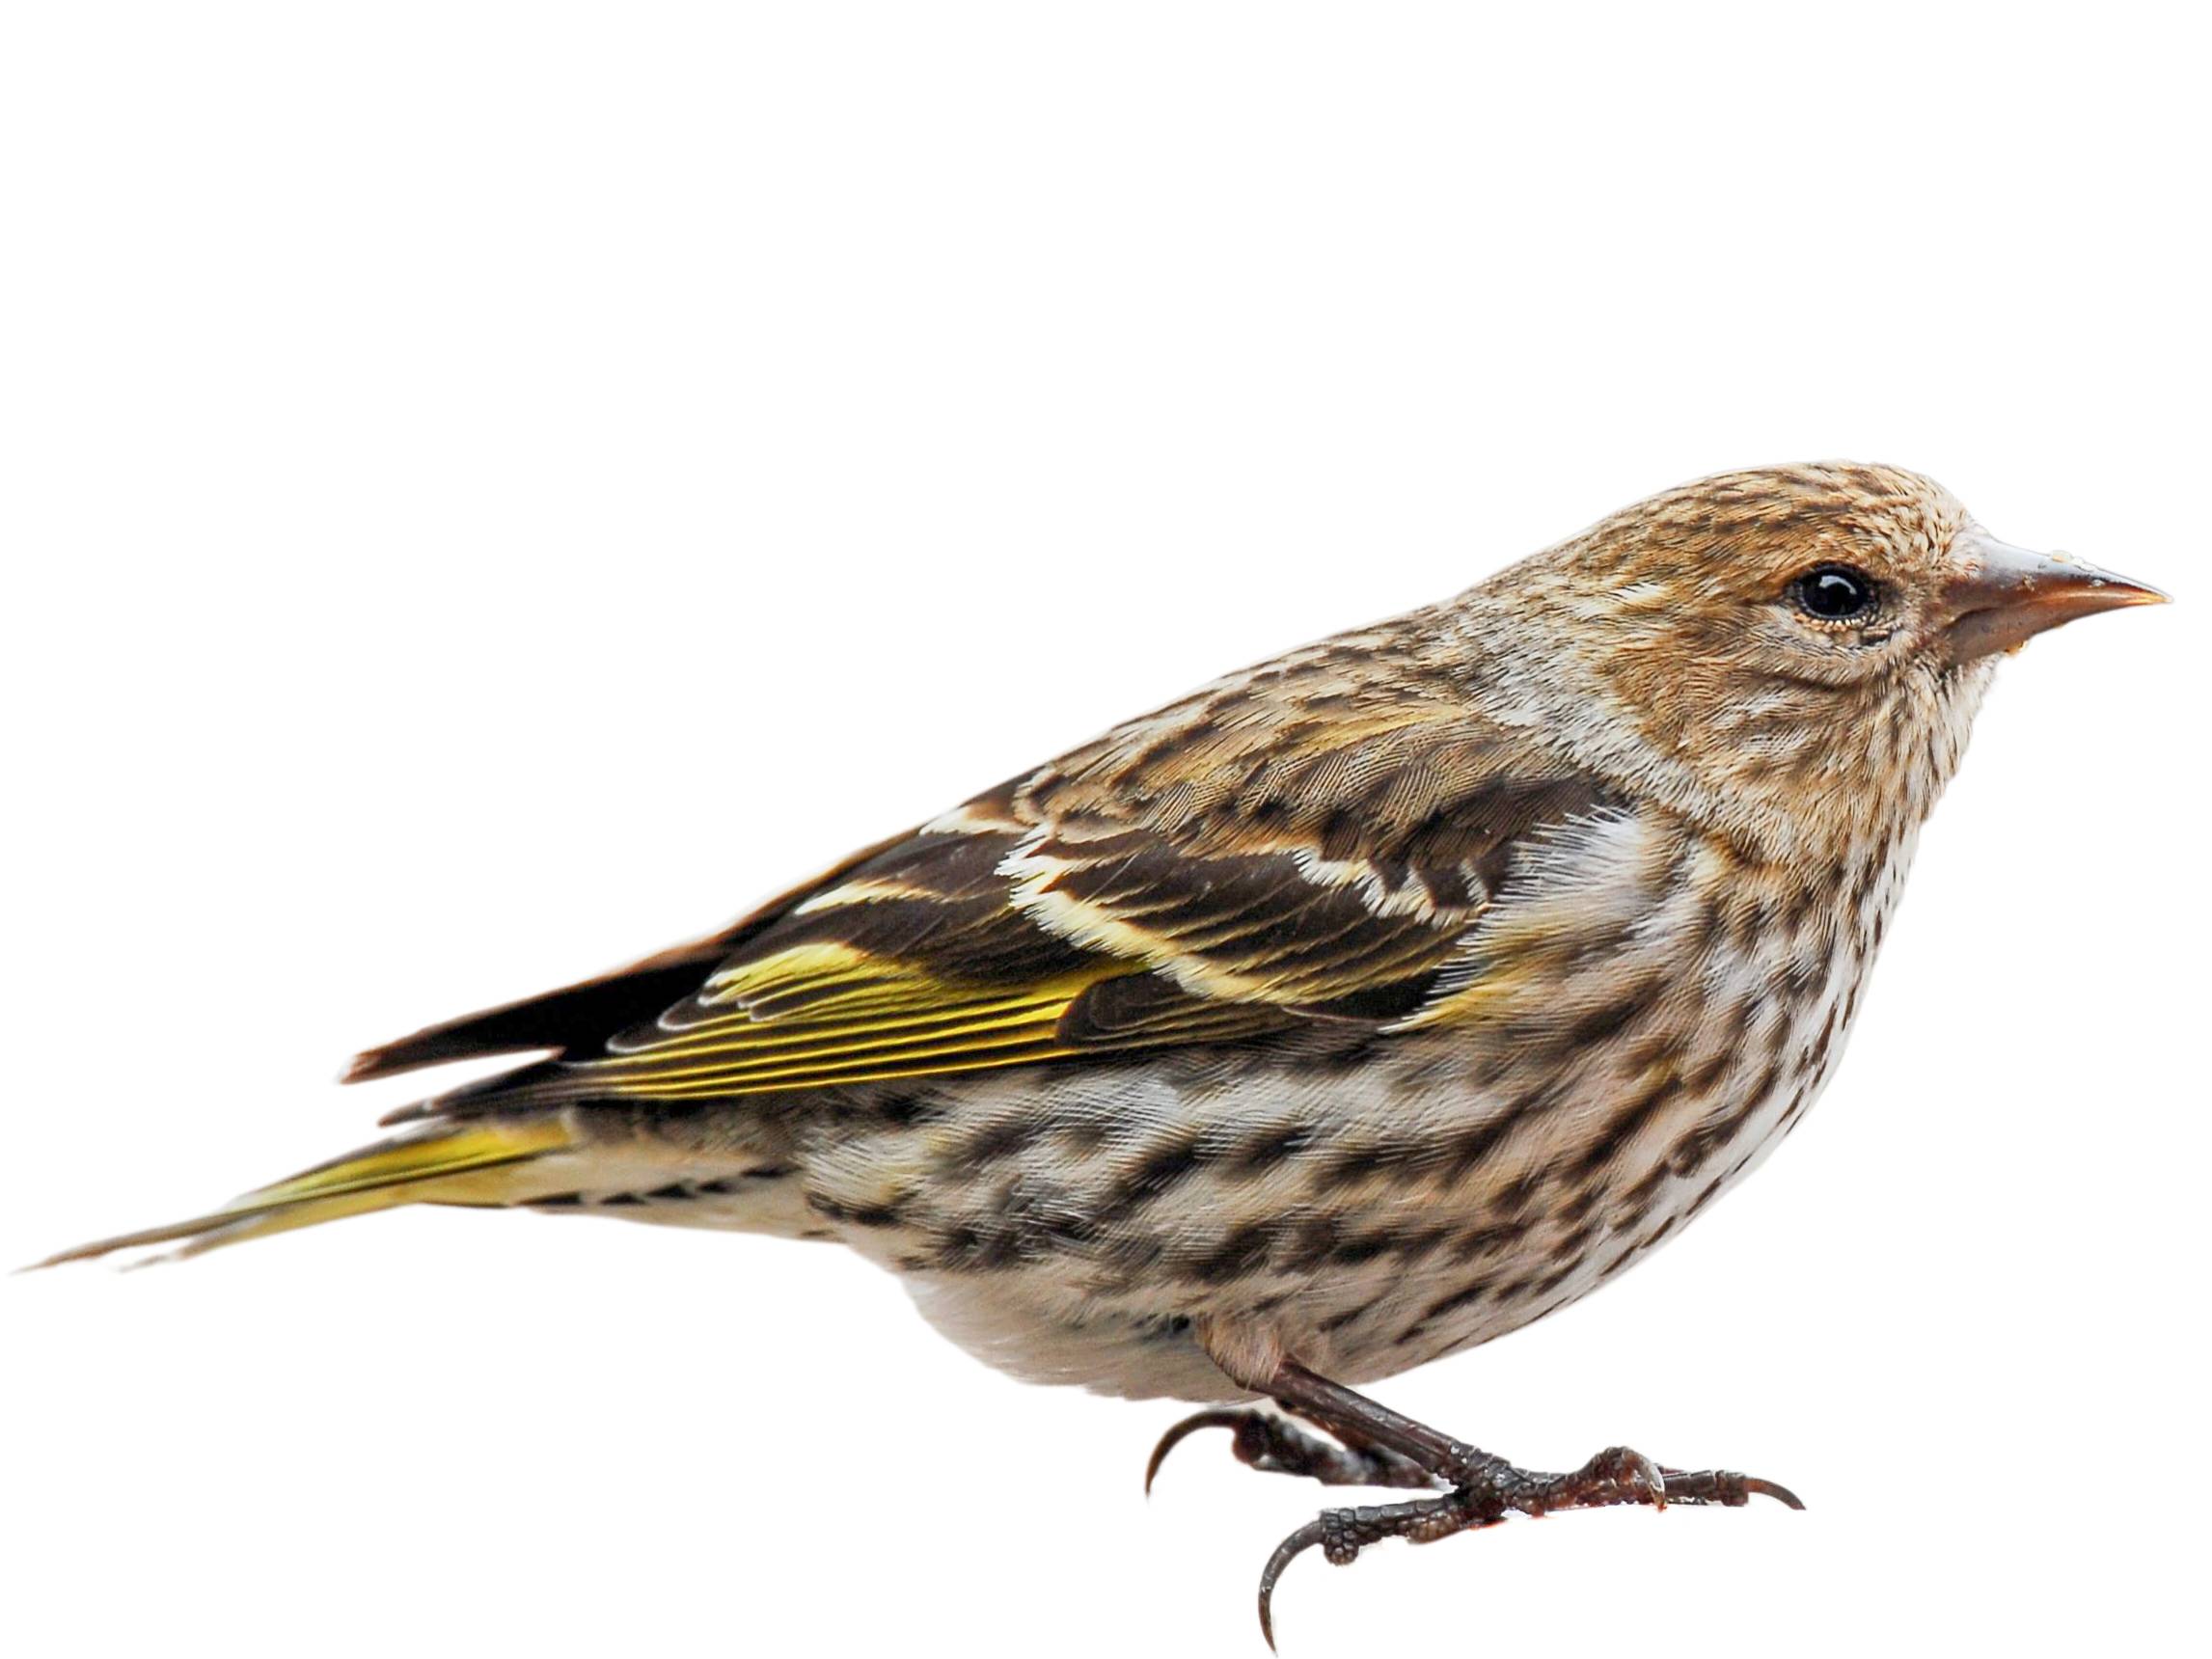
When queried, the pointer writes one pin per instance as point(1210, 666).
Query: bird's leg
point(1483, 1490)
point(1280, 1447)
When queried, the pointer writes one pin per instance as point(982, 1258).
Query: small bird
point(1356, 1009)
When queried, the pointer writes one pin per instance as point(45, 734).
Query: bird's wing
point(1253, 860)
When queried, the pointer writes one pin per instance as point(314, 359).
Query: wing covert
point(1304, 845)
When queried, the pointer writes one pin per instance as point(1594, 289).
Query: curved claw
point(1772, 1489)
point(1726, 1488)
point(1215, 1417)
point(1286, 1552)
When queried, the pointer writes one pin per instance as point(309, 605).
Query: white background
point(493, 490)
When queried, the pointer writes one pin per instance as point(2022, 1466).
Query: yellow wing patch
point(823, 1013)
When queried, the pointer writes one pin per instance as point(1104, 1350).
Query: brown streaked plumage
point(1360, 1007)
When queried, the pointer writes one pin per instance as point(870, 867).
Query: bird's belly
point(1077, 1227)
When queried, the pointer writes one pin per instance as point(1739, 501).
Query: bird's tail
point(476, 1161)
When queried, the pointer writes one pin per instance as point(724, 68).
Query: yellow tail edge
point(462, 1163)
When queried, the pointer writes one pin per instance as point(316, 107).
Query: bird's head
point(1784, 644)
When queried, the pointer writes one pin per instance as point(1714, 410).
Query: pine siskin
point(1358, 1008)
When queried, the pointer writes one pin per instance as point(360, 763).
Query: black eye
point(1833, 593)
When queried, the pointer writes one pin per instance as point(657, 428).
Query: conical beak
point(2007, 595)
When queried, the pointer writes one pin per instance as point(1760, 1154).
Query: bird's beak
point(2006, 595)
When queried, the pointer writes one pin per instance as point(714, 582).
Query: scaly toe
point(1616, 1475)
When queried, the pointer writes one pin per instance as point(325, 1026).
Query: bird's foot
point(1486, 1489)
point(1376, 1446)
point(1280, 1447)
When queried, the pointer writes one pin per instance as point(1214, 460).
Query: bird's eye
point(1835, 593)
